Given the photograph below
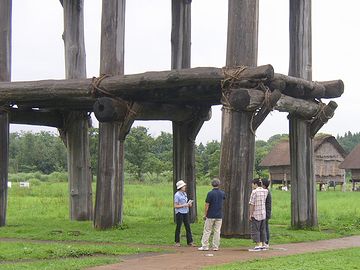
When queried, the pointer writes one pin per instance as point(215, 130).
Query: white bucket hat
point(180, 184)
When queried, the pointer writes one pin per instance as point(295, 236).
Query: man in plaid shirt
point(257, 214)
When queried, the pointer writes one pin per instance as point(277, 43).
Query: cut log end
point(109, 110)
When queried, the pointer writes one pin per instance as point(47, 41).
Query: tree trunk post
point(237, 138)
point(75, 133)
point(184, 132)
point(303, 186)
point(110, 176)
point(5, 75)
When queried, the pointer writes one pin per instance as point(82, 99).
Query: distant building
point(328, 154)
point(352, 163)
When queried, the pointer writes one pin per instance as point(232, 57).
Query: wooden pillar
point(238, 139)
point(184, 132)
point(5, 75)
point(75, 132)
point(303, 186)
point(110, 176)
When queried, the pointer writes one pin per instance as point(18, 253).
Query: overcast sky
point(38, 51)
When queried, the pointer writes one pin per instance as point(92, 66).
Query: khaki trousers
point(211, 224)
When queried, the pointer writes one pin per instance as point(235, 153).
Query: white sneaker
point(257, 248)
point(203, 248)
point(215, 249)
point(266, 246)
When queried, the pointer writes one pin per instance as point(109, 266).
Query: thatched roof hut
point(328, 154)
point(352, 163)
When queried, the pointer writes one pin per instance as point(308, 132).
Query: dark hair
point(266, 182)
point(257, 181)
point(215, 182)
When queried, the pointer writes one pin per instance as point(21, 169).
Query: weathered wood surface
point(303, 186)
point(5, 75)
point(184, 132)
point(242, 15)
point(110, 177)
point(325, 113)
point(36, 117)
point(184, 86)
point(237, 138)
point(4, 161)
point(250, 100)
point(300, 88)
point(267, 106)
point(76, 128)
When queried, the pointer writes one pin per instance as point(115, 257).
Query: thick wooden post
point(5, 75)
point(237, 139)
point(184, 132)
point(303, 186)
point(75, 133)
point(110, 177)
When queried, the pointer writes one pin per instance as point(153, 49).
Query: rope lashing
point(231, 76)
point(95, 89)
point(321, 113)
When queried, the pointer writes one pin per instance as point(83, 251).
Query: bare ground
point(191, 258)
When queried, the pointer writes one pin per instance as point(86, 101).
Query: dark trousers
point(267, 231)
point(180, 218)
point(258, 233)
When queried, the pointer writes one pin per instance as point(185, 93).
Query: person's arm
point(251, 211)
point(177, 205)
point(206, 210)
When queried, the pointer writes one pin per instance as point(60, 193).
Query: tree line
point(147, 158)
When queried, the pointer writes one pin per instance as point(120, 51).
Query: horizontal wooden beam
point(36, 117)
point(149, 111)
point(195, 86)
point(255, 99)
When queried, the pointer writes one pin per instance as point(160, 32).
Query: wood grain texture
point(5, 75)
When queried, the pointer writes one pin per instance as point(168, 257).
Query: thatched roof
point(321, 139)
point(280, 153)
point(278, 156)
point(352, 161)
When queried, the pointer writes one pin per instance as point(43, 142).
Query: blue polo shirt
point(215, 200)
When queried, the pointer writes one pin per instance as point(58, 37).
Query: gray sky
point(38, 51)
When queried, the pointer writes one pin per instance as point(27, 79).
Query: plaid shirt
point(258, 198)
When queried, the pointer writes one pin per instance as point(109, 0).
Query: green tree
point(93, 145)
point(137, 149)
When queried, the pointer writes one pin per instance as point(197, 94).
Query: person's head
point(265, 183)
point(180, 185)
point(215, 183)
point(256, 182)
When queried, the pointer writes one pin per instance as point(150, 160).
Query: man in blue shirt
point(213, 216)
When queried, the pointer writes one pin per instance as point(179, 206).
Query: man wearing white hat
point(181, 205)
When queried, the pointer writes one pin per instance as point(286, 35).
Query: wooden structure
point(183, 95)
point(352, 163)
point(328, 154)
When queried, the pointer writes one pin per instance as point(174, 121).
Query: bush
point(58, 177)
point(34, 182)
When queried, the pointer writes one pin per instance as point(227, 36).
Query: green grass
point(41, 213)
point(328, 260)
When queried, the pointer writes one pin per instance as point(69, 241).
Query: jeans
point(180, 218)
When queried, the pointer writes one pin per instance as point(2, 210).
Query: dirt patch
point(191, 258)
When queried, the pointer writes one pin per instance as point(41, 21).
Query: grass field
point(41, 213)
